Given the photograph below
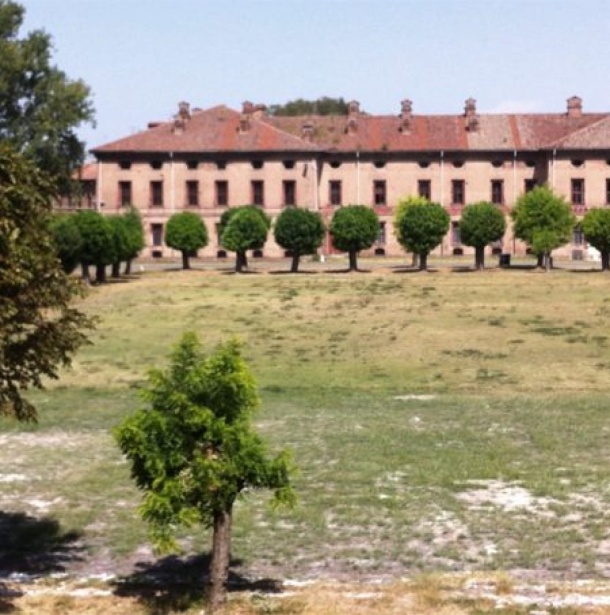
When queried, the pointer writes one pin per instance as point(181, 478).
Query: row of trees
point(90, 239)
point(540, 218)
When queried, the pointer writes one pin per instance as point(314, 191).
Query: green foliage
point(299, 230)
point(420, 226)
point(301, 106)
point(40, 108)
point(543, 220)
point(39, 330)
point(481, 224)
point(97, 236)
point(192, 447)
point(244, 228)
point(596, 229)
point(67, 240)
point(133, 220)
point(121, 236)
point(354, 228)
point(186, 231)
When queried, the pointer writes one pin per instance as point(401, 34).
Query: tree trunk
point(605, 256)
point(547, 261)
point(540, 260)
point(241, 262)
point(423, 261)
point(100, 274)
point(185, 260)
point(353, 260)
point(479, 260)
point(221, 555)
point(296, 257)
point(127, 270)
point(85, 272)
point(116, 270)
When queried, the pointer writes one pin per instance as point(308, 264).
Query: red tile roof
point(218, 130)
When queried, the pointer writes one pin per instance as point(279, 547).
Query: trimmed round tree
point(186, 232)
point(241, 229)
point(98, 245)
point(120, 238)
point(300, 231)
point(596, 229)
point(420, 226)
point(354, 228)
point(481, 224)
point(544, 221)
point(67, 240)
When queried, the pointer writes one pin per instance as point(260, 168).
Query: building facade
point(207, 160)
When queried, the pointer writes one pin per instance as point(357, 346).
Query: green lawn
point(441, 422)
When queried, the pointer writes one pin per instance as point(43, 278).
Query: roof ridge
point(581, 130)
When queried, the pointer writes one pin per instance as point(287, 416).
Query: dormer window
point(257, 164)
point(192, 164)
point(288, 164)
point(379, 164)
point(156, 164)
point(335, 164)
point(125, 165)
point(221, 165)
point(577, 163)
point(458, 164)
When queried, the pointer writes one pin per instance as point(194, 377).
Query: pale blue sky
point(141, 57)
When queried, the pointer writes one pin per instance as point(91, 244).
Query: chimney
point(353, 111)
point(258, 111)
point(180, 120)
point(247, 109)
point(406, 115)
point(307, 132)
point(470, 113)
point(574, 106)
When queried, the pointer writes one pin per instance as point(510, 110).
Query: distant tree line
point(321, 106)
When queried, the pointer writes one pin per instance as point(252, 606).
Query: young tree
point(301, 106)
point(354, 228)
point(40, 108)
point(186, 231)
point(543, 220)
point(596, 229)
point(39, 329)
point(420, 226)
point(241, 229)
point(193, 450)
point(481, 224)
point(300, 231)
point(67, 240)
point(98, 245)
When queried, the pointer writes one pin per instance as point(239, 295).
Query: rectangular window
point(334, 189)
point(382, 237)
point(456, 234)
point(529, 185)
point(458, 192)
point(258, 193)
point(578, 192)
point(424, 189)
point(192, 193)
point(125, 193)
point(156, 193)
point(608, 191)
point(379, 193)
point(222, 193)
point(578, 238)
point(497, 191)
point(289, 188)
point(157, 234)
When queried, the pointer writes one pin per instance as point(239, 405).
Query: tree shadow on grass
point(31, 546)
point(175, 584)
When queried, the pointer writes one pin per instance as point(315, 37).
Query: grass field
point(446, 425)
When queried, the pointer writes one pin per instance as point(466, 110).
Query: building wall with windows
point(208, 160)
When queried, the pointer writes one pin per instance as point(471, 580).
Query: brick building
point(208, 160)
